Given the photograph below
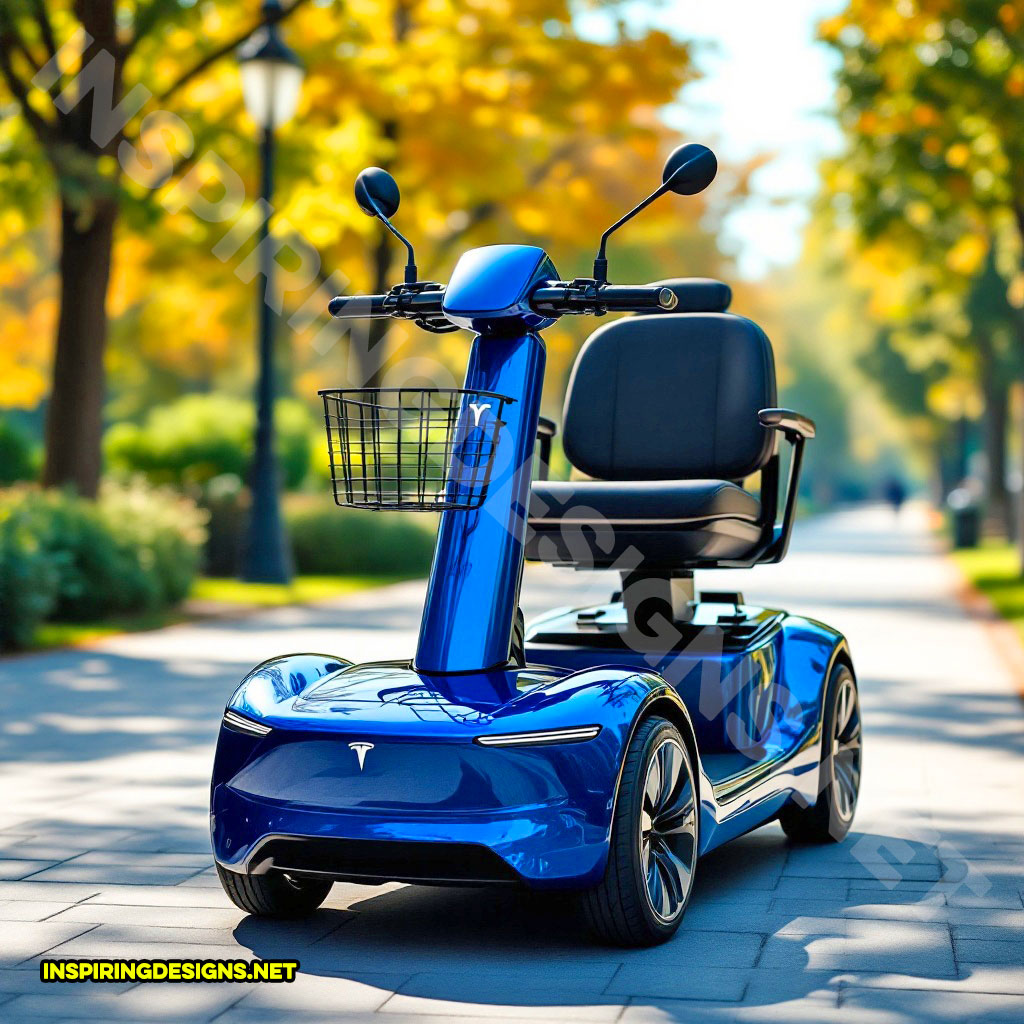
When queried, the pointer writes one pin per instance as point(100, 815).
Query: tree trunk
point(74, 419)
point(996, 391)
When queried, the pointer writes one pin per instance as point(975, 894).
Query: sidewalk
point(104, 768)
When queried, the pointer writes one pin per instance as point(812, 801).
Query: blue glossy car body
point(381, 771)
point(753, 717)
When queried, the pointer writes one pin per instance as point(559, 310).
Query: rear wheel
point(273, 895)
point(829, 820)
point(653, 851)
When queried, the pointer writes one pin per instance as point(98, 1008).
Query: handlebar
point(399, 302)
point(589, 297)
point(423, 304)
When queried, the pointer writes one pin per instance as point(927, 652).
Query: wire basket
point(423, 449)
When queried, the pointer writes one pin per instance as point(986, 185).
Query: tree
point(495, 117)
point(78, 75)
point(930, 98)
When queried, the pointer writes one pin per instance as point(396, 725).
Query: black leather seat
point(670, 522)
point(663, 412)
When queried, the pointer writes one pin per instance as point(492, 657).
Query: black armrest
point(797, 429)
point(546, 430)
point(787, 421)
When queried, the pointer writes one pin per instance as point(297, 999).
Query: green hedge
point(19, 454)
point(199, 437)
point(335, 541)
point(136, 549)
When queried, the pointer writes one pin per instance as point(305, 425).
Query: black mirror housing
point(377, 193)
point(689, 169)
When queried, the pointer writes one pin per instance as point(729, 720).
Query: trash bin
point(965, 510)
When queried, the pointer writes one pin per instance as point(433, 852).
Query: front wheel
point(829, 820)
point(273, 895)
point(653, 851)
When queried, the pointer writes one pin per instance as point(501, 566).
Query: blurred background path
point(106, 754)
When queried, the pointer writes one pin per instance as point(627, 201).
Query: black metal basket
point(423, 449)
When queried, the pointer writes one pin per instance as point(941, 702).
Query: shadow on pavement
point(512, 948)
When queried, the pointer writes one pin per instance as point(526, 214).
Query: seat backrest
point(671, 398)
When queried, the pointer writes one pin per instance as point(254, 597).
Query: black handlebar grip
point(621, 298)
point(636, 298)
point(357, 307)
point(409, 304)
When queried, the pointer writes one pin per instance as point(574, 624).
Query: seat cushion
point(663, 523)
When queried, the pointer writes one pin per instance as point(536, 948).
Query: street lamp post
point(271, 80)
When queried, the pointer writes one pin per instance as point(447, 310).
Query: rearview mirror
point(377, 192)
point(689, 169)
point(378, 196)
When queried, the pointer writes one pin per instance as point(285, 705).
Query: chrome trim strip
point(573, 734)
point(553, 521)
point(240, 723)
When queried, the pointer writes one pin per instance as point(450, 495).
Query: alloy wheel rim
point(668, 831)
point(846, 750)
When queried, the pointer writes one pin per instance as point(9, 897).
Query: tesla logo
point(478, 411)
point(360, 749)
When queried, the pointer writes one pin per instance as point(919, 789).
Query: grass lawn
point(230, 594)
point(994, 569)
point(302, 589)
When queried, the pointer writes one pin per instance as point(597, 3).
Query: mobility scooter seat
point(663, 412)
point(670, 522)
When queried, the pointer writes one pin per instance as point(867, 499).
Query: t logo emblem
point(360, 749)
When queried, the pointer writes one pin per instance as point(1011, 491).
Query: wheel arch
point(670, 707)
point(663, 701)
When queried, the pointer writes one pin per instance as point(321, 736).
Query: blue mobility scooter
point(603, 749)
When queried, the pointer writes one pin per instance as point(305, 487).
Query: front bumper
point(441, 810)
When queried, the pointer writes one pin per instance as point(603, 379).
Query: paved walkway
point(918, 916)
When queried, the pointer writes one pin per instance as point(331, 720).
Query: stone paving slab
point(946, 1006)
point(917, 917)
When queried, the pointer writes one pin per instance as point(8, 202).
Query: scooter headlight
point(572, 734)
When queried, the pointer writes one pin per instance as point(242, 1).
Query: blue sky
point(767, 87)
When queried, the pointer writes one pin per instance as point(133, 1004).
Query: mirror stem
point(410, 264)
point(601, 263)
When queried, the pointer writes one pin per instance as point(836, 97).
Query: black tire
point(273, 895)
point(620, 909)
point(829, 820)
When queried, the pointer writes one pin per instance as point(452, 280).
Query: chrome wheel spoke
point(678, 803)
point(683, 823)
point(670, 764)
point(668, 830)
point(656, 890)
point(652, 788)
point(674, 878)
point(846, 750)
